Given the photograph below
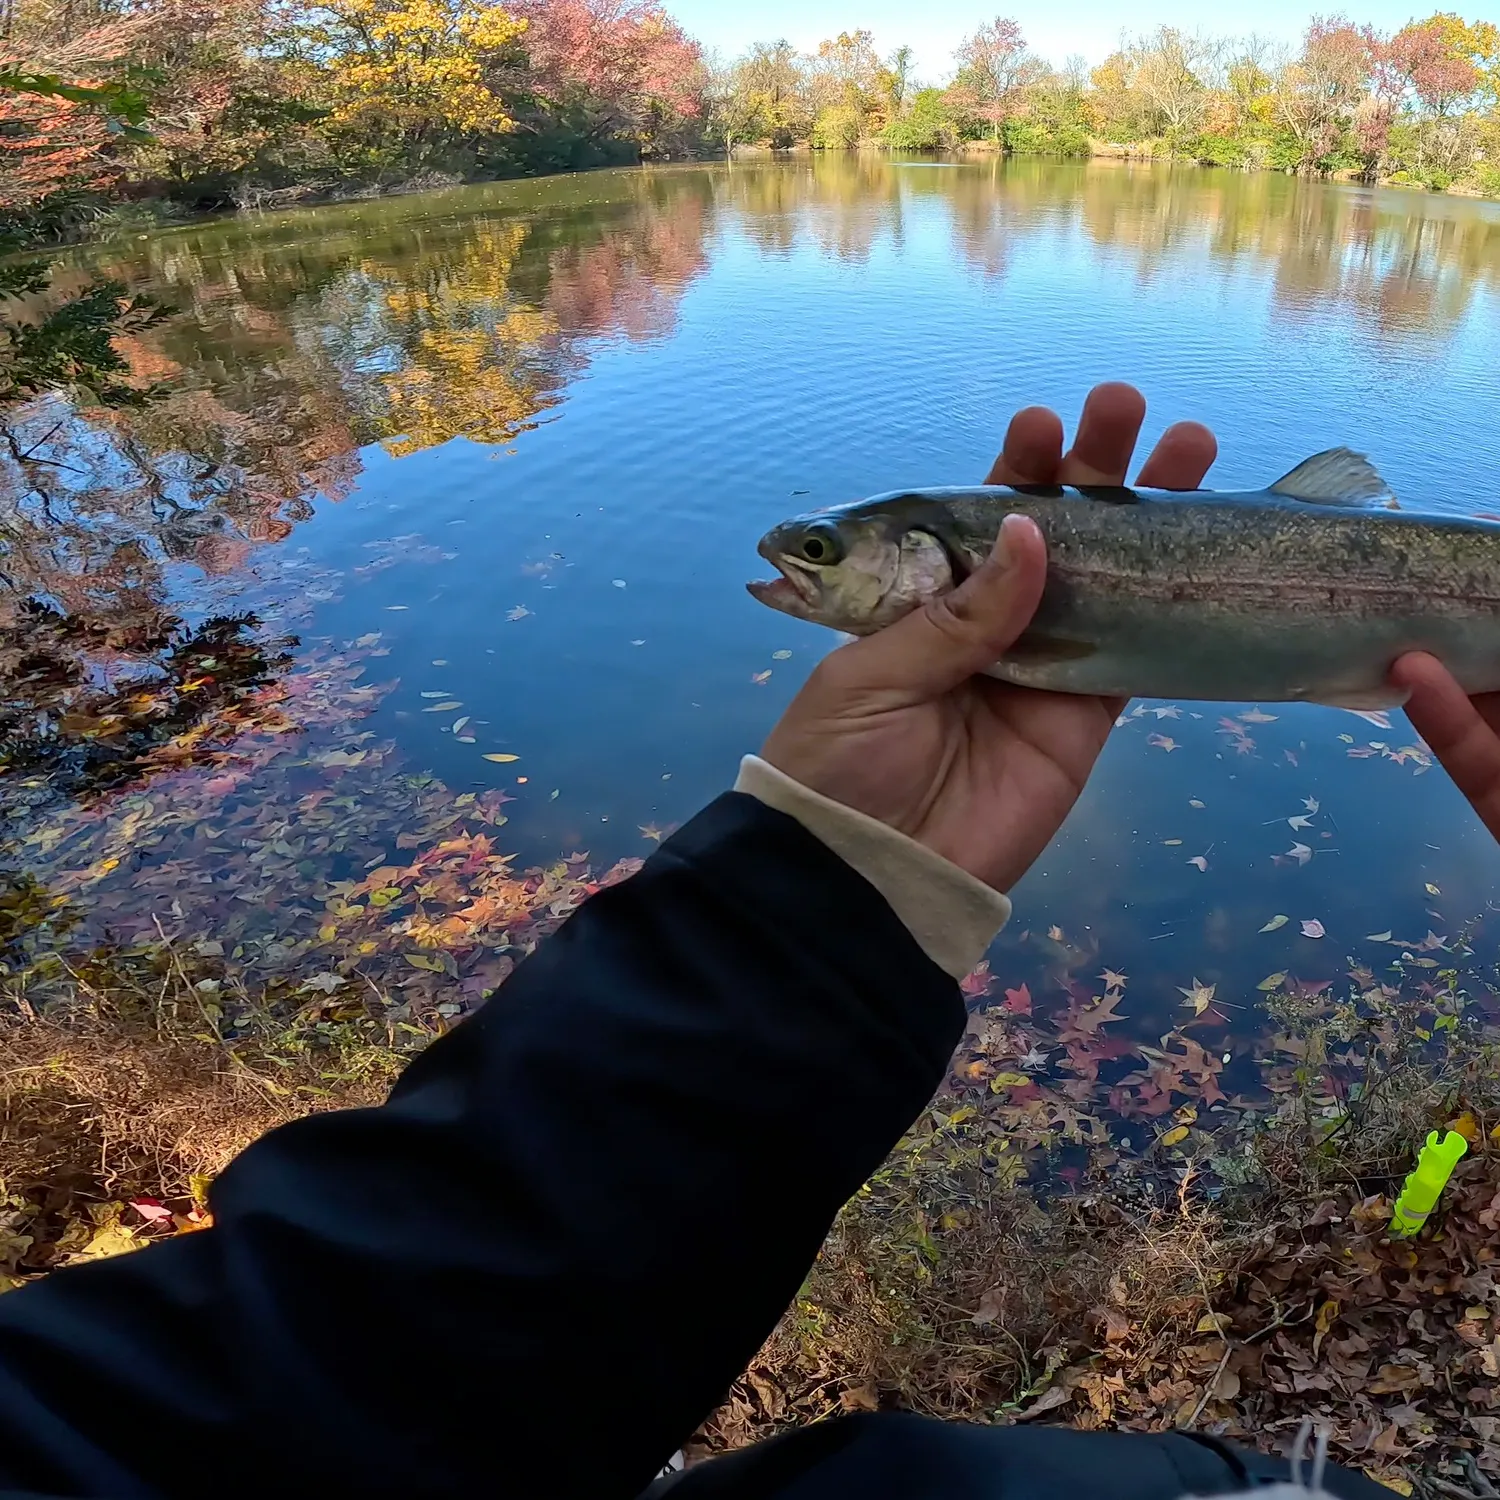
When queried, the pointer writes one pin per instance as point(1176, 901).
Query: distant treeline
point(192, 105)
point(1421, 105)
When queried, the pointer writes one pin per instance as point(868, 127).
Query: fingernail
point(1006, 543)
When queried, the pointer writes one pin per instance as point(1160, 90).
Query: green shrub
point(836, 129)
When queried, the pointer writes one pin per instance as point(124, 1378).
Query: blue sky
point(1092, 27)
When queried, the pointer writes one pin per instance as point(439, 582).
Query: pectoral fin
point(1337, 477)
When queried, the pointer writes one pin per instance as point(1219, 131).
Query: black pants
point(900, 1457)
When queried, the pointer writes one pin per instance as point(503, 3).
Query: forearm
point(610, 1181)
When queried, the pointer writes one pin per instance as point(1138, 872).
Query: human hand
point(899, 726)
point(1463, 732)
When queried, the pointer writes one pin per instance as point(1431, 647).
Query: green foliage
point(837, 128)
point(927, 126)
point(71, 347)
point(1027, 138)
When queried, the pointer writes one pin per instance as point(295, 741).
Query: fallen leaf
point(761, 678)
point(1018, 1001)
point(1272, 982)
point(1175, 1136)
point(1113, 981)
point(1009, 1081)
point(503, 760)
point(1055, 933)
point(1257, 716)
point(1466, 1126)
point(619, 583)
point(446, 707)
point(458, 724)
point(1379, 937)
point(1172, 712)
point(1201, 861)
point(518, 613)
point(1300, 852)
point(1300, 822)
point(1200, 997)
point(1194, 802)
point(1212, 1322)
point(1311, 804)
point(1432, 890)
point(1276, 923)
point(1162, 742)
point(152, 1210)
point(650, 831)
point(781, 656)
point(1172, 843)
point(1312, 928)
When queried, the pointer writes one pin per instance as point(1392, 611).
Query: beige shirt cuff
point(953, 915)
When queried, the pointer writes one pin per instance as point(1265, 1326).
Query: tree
point(410, 77)
point(1316, 96)
point(624, 68)
point(1445, 70)
point(994, 71)
point(1172, 70)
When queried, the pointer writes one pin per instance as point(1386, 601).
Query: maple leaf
point(1018, 1001)
point(1200, 997)
point(976, 982)
point(520, 612)
point(1167, 713)
point(1035, 1059)
point(1311, 804)
point(1113, 981)
point(1300, 822)
point(1300, 852)
point(1257, 716)
point(1163, 742)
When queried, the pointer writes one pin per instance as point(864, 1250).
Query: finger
point(1458, 732)
point(1033, 449)
point(1107, 433)
point(960, 633)
point(1182, 458)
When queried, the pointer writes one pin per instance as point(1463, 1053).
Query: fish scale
point(1307, 590)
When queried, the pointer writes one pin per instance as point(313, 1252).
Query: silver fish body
point(1245, 597)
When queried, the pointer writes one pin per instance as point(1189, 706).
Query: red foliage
point(48, 146)
point(1423, 54)
point(629, 57)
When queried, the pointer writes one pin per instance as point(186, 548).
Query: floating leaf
point(1432, 890)
point(1017, 1002)
point(1009, 1081)
point(520, 612)
point(1272, 982)
point(1347, 739)
point(1055, 933)
point(1276, 923)
point(424, 961)
point(1311, 804)
point(1300, 852)
point(443, 708)
point(761, 678)
point(1300, 822)
point(437, 695)
point(1172, 843)
point(619, 583)
point(398, 606)
point(503, 760)
point(1256, 716)
point(1162, 742)
point(1201, 861)
point(1200, 997)
point(467, 739)
point(1194, 802)
point(1312, 928)
point(1176, 1136)
point(458, 724)
point(651, 831)
point(1379, 937)
point(781, 656)
point(1112, 980)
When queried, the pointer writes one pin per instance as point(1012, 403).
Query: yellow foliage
point(421, 64)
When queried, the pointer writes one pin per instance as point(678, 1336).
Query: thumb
point(963, 632)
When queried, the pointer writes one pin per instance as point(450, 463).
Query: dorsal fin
point(1337, 477)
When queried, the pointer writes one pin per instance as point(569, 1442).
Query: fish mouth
point(795, 591)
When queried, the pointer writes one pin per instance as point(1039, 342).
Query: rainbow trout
point(1307, 590)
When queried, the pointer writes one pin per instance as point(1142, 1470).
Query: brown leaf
point(866, 1398)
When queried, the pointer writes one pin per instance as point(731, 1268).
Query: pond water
point(518, 442)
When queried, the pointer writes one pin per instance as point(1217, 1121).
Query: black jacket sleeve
point(541, 1263)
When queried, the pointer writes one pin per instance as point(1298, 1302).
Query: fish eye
point(821, 544)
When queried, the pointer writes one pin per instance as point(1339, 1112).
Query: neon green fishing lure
point(1419, 1196)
